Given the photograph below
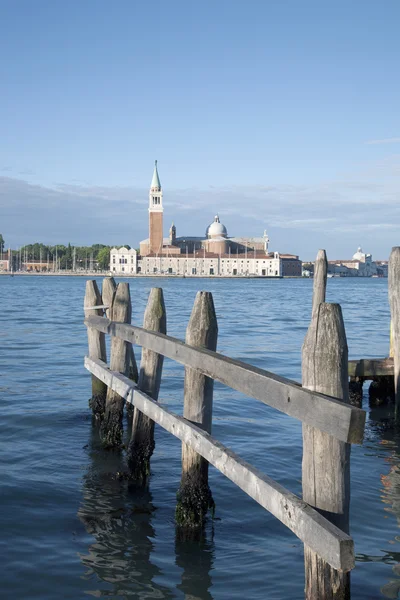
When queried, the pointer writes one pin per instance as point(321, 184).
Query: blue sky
point(277, 114)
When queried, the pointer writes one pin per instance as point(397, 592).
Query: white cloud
point(394, 140)
point(339, 214)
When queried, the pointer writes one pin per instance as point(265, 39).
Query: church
point(214, 254)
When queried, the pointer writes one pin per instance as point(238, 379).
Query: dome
point(216, 229)
point(359, 255)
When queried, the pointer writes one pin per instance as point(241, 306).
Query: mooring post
point(391, 347)
point(97, 348)
point(194, 495)
point(108, 295)
point(326, 460)
point(394, 301)
point(111, 427)
point(320, 276)
point(141, 445)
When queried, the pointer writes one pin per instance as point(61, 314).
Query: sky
point(276, 114)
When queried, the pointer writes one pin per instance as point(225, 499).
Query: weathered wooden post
point(97, 348)
point(141, 445)
point(326, 460)
point(111, 427)
point(391, 347)
point(394, 301)
point(320, 276)
point(194, 495)
point(108, 295)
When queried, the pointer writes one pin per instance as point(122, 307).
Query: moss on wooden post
point(141, 445)
point(194, 495)
point(96, 348)
point(111, 427)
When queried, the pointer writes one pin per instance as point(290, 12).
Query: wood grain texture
point(394, 301)
point(97, 348)
point(108, 294)
point(141, 445)
point(111, 427)
point(324, 412)
point(326, 460)
point(194, 495)
point(368, 368)
point(332, 544)
point(108, 290)
point(319, 284)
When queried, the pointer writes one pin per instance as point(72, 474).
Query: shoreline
point(146, 276)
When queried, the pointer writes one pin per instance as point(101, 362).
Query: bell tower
point(156, 210)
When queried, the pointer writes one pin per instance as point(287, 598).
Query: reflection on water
point(195, 557)
point(120, 519)
point(384, 441)
point(119, 516)
point(123, 541)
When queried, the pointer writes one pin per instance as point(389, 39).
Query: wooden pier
point(320, 519)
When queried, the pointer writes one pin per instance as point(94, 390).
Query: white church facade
point(215, 254)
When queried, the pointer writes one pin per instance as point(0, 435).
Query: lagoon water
point(70, 530)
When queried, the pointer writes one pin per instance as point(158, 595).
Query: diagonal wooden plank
point(342, 421)
point(329, 542)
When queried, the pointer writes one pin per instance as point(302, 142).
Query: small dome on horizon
point(216, 229)
point(359, 255)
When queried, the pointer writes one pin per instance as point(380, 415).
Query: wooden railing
point(330, 423)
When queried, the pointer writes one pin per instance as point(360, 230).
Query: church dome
point(216, 229)
point(359, 255)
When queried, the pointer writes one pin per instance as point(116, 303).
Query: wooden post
point(326, 460)
point(391, 347)
point(108, 295)
point(97, 349)
point(394, 300)
point(111, 427)
point(320, 275)
point(194, 495)
point(142, 439)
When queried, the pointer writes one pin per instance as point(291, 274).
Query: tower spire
point(155, 214)
point(155, 182)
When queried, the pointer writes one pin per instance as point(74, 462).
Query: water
point(71, 530)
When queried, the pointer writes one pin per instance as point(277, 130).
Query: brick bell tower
point(156, 210)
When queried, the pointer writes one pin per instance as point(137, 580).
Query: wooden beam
point(326, 460)
point(329, 542)
point(97, 347)
point(368, 368)
point(111, 427)
point(394, 301)
point(340, 420)
point(319, 284)
point(141, 444)
point(194, 497)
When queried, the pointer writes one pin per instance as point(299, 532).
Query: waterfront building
point(360, 265)
point(123, 261)
point(214, 254)
point(5, 261)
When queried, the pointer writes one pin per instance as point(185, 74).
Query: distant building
point(361, 265)
point(123, 261)
point(5, 261)
point(215, 253)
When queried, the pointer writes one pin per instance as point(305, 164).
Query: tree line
point(98, 254)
